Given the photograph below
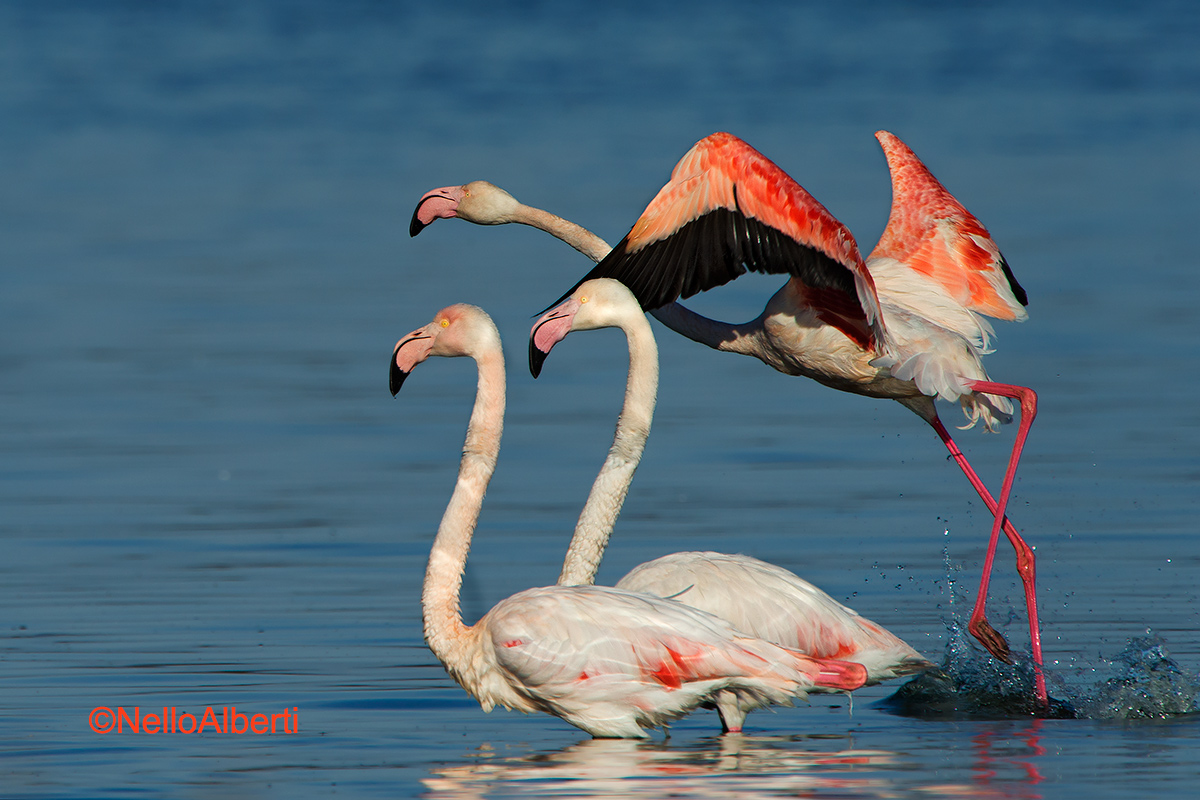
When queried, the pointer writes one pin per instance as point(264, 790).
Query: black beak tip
point(536, 359)
point(416, 226)
point(396, 378)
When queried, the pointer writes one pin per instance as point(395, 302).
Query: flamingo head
point(478, 201)
point(598, 303)
point(457, 330)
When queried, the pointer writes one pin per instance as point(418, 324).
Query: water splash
point(1147, 684)
point(1141, 682)
point(971, 684)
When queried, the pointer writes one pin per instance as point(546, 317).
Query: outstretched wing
point(728, 209)
point(931, 233)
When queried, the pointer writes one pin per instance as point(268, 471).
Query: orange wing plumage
point(728, 209)
point(934, 235)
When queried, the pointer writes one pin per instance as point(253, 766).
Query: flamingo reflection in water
point(999, 761)
point(730, 766)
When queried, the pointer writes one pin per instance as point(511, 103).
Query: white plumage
point(757, 598)
point(605, 660)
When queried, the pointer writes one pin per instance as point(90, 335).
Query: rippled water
point(210, 500)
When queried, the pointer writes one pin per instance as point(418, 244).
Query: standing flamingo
point(757, 598)
point(934, 271)
point(607, 661)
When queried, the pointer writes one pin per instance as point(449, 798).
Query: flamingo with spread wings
point(908, 323)
point(608, 661)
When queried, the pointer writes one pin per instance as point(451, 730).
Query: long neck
point(444, 628)
point(718, 335)
point(577, 236)
point(633, 427)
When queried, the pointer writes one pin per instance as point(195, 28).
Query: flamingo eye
point(583, 299)
point(445, 323)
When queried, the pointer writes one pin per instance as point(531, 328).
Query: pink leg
point(978, 624)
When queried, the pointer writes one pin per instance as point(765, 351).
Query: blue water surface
point(209, 498)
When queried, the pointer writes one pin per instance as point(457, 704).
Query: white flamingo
point(608, 661)
point(756, 597)
point(906, 324)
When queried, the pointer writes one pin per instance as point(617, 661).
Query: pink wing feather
point(726, 209)
point(934, 235)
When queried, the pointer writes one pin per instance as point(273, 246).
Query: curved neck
point(577, 236)
point(633, 427)
point(447, 560)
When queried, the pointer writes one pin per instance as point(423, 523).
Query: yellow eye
point(445, 323)
point(583, 299)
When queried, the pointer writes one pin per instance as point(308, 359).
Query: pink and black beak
point(401, 365)
point(536, 357)
point(436, 204)
point(550, 329)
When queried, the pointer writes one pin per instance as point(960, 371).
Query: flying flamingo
point(756, 597)
point(727, 208)
point(608, 661)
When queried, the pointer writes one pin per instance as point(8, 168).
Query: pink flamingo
point(906, 324)
point(608, 661)
point(757, 598)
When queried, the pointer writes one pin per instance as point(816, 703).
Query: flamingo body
point(776, 604)
point(613, 662)
point(608, 661)
point(916, 313)
point(757, 598)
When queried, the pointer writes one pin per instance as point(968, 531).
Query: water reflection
point(734, 766)
point(1006, 765)
point(1002, 763)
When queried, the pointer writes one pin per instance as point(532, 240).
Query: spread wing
point(932, 234)
point(728, 209)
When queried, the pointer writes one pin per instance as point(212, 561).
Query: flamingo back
point(772, 603)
